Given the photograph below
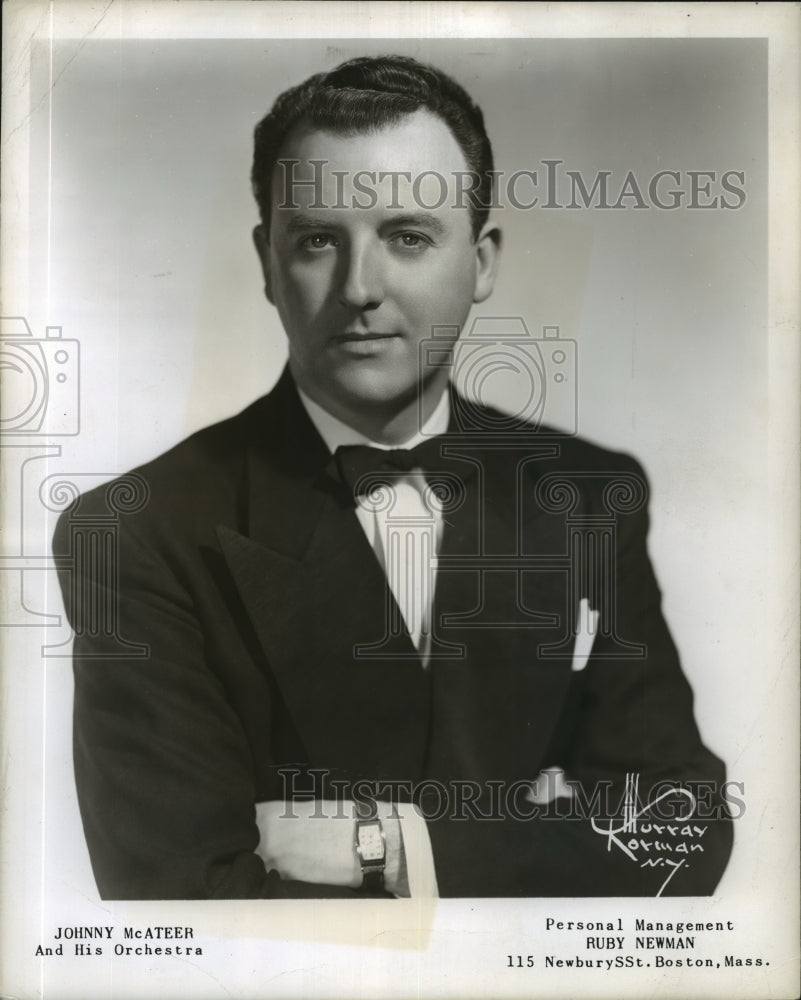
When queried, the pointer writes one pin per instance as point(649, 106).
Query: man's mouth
point(364, 345)
point(350, 337)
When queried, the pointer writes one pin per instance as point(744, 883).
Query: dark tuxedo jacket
point(249, 580)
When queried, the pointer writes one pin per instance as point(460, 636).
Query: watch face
point(371, 843)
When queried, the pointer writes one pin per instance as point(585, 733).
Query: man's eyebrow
point(419, 220)
point(303, 223)
point(414, 220)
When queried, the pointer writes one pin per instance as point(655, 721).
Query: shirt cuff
point(420, 872)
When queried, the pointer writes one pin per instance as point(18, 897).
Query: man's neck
point(389, 425)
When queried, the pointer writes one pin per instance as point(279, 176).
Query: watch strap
point(373, 879)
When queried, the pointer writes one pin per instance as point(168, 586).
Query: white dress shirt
point(406, 535)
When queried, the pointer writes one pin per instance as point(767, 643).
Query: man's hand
point(313, 841)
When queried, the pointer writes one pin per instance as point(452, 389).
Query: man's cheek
point(301, 301)
point(310, 291)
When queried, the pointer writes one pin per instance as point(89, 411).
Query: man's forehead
point(415, 142)
point(414, 165)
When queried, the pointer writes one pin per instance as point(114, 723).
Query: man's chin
point(372, 379)
point(376, 389)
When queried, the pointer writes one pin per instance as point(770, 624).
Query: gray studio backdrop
point(140, 247)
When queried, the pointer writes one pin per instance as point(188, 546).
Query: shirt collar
point(335, 433)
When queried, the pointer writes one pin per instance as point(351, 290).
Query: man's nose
point(361, 283)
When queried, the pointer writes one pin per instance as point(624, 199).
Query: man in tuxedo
point(395, 642)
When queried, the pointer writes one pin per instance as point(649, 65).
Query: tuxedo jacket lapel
point(314, 592)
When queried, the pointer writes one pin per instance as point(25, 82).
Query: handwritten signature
point(629, 828)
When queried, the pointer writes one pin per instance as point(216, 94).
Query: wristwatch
point(370, 846)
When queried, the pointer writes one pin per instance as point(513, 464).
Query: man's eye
point(411, 241)
point(318, 241)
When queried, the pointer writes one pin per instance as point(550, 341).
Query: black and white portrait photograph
point(400, 500)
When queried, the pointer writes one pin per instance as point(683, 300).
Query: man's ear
point(488, 250)
point(262, 244)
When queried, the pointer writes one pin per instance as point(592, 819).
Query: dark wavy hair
point(366, 94)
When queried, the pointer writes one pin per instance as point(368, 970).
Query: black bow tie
point(359, 466)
